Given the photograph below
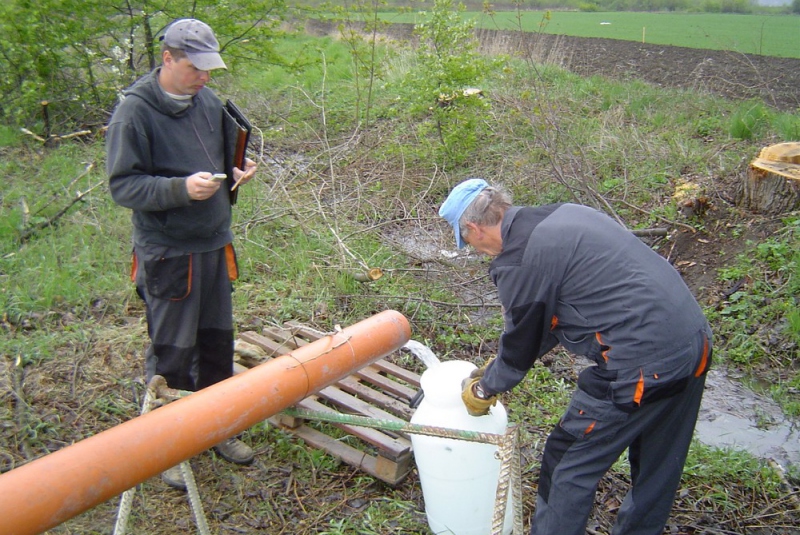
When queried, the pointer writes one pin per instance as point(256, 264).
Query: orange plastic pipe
point(54, 488)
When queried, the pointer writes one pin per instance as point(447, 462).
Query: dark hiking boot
point(174, 477)
point(235, 451)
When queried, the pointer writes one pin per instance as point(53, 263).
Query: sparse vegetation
point(337, 194)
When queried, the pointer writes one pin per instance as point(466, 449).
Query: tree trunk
point(772, 184)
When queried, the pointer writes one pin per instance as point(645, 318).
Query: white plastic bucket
point(458, 478)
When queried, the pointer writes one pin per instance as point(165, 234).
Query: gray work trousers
point(189, 316)
point(593, 434)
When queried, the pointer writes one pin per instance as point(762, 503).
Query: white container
point(458, 478)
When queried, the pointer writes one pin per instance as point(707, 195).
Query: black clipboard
point(236, 129)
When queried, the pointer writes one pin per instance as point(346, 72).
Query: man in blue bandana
point(570, 275)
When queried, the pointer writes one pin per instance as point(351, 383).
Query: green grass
point(710, 471)
point(303, 230)
point(765, 306)
point(769, 35)
point(8, 136)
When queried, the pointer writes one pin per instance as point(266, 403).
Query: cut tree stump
point(772, 184)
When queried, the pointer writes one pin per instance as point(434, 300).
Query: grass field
point(334, 195)
point(769, 35)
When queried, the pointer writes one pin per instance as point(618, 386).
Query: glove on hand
point(475, 405)
point(478, 372)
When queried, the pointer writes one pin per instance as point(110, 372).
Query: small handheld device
point(218, 177)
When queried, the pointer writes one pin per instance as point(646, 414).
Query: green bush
point(749, 120)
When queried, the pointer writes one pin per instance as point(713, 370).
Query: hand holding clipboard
point(237, 131)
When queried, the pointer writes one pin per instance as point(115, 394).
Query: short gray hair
point(488, 207)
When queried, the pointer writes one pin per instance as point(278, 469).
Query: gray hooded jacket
point(153, 144)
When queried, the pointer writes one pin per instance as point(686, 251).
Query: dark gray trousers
point(189, 317)
point(592, 435)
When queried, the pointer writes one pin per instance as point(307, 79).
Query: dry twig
point(30, 231)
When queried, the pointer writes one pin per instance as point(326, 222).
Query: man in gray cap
point(164, 146)
point(570, 275)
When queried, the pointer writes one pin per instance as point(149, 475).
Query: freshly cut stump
point(772, 184)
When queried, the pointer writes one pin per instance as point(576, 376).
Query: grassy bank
point(769, 35)
point(353, 166)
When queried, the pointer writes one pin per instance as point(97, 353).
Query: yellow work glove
point(478, 372)
point(470, 395)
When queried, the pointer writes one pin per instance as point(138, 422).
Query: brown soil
point(737, 76)
point(776, 81)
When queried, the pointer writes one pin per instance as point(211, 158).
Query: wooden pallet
point(381, 390)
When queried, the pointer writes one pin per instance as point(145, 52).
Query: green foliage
point(707, 125)
point(725, 6)
point(439, 88)
point(749, 120)
point(8, 136)
point(787, 125)
point(360, 28)
point(324, 206)
point(379, 518)
point(70, 260)
point(769, 277)
point(540, 399)
point(77, 55)
point(712, 470)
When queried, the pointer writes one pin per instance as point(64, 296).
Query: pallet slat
point(398, 389)
point(401, 373)
point(388, 445)
point(395, 406)
point(272, 347)
point(381, 390)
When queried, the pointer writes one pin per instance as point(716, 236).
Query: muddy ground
point(289, 490)
point(776, 81)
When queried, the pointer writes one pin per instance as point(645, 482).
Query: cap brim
point(206, 61)
point(788, 170)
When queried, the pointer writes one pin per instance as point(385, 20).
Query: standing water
point(732, 416)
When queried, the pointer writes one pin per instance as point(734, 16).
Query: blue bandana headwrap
point(462, 196)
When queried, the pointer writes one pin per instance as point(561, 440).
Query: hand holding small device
point(203, 184)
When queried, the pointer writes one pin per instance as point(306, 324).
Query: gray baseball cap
point(198, 41)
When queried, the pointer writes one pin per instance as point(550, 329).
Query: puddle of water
point(732, 416)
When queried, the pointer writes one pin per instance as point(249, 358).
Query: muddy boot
point(235, 451)
point(174, 477)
